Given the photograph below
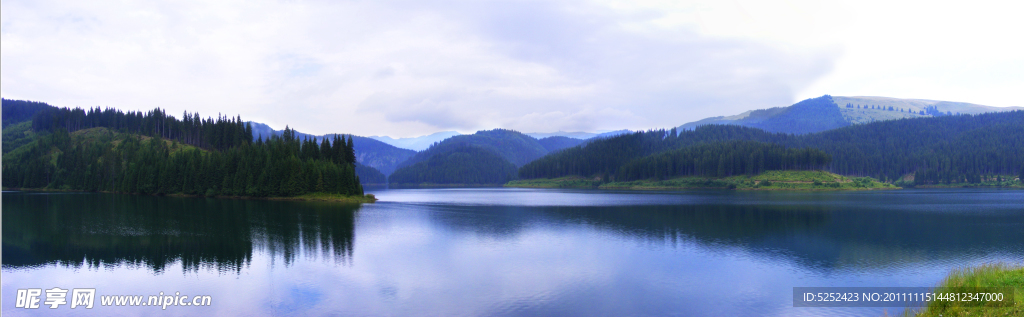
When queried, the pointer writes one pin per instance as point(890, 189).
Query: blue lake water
point(502, 252)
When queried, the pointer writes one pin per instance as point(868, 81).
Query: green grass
point(87, 136)
point(965, 280)
point(1007, 182)
point(770, 180)
point(368, 198)
point(859, 116)
point(561, 182)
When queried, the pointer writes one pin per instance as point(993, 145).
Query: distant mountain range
point(386, 154)
point(458, 160)
point(830, 112)
point(579, 135)
point(421, 143)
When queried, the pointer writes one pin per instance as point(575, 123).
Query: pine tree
point(350, 151)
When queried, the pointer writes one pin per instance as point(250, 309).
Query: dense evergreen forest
point(370, 176)
point(722, 159)
point(152, 153)
point(947, 149)
point(464, 164)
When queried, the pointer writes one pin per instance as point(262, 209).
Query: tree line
point(722, 159)
point(220, 133)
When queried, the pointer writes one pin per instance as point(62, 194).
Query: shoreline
point(367, 198)
point(968, 186)
point(415, 186)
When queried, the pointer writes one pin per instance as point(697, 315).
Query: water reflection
point(836, 232)
point(495, 252)
point(106, 230)
point(831, 232)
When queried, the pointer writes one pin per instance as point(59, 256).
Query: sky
point(410, 68)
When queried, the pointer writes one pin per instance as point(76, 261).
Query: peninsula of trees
point(154, 153)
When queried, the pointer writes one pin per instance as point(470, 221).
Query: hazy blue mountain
point(513, 146)
point(418, 143)
point(369, 152)
point(579, 135)
point(808, 116)
point(611, 134)
point(556, 143)
point(816, 114)
point(484, 157)
point(461, 164)
point(574, 135)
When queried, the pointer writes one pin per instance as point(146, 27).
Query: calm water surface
point(498, 252)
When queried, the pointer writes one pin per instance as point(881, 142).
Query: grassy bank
point(995, 275)
point(368, 198)
point(1003, 184)
point(432, 185)
point(771, 180)
point(561, 182)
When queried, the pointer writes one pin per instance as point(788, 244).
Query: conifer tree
point(350, 151)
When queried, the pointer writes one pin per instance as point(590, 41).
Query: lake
point(501, 252)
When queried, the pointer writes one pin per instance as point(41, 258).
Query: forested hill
point(369, 152)
point(456, 165)
point(958, 148)
point(155, 153)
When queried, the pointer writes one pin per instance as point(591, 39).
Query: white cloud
point(410, 68)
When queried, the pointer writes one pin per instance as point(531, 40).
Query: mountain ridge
point(853, 110)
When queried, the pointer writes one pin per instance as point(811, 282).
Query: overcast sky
point(409, 68)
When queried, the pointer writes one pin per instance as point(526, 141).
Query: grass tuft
point(965, 279)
